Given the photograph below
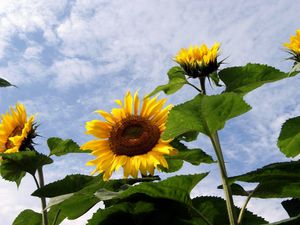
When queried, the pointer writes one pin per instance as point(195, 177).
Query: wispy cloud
point(71, 57)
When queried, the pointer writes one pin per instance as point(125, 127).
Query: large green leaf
point(14, 165)
point(176, 80)
point(176, 188)
point(243, 79)
point(291, 221)
point(277, 180)
point(4, 83)
point(144, 210)
point(214, 210)
point(205, 114)
point(28, 217)
point(287, 171)
point(292, 206)
point(85, 197)
point(70, 184)
point(289, 138)
point(60, 147)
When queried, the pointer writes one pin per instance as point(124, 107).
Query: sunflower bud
point(16, 131)
point(198, 61)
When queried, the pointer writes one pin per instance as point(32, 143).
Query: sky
point(69, 58)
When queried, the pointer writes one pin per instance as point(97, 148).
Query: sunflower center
point(17, 131)
point(133, 136)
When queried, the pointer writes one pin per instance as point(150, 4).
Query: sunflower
point(130, 137)
point(294, 46)
point(16, 130)
point(197, 60)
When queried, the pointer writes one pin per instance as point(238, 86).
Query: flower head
point(198, 61)
point(130, 137)
point(16, 131)
point(294, 46)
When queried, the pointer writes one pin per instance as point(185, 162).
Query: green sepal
point(176, 81)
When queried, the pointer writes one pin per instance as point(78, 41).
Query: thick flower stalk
point(198, 61)
point(293, 46)
point(16, 131)
point(130, 137)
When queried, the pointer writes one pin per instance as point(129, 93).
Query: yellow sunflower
point(15, 129)
point(130, 137)
point(294, 46)
point(198, 60)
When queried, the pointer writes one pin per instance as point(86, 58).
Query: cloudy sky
point(71, 57)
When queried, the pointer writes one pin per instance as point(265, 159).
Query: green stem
point(202, 85)
point(226, 186)
point(194, 87)
point(43, 199)
point(243, 209)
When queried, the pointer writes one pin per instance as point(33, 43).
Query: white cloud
point(78, 56)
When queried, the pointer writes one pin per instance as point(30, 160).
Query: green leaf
point(9, 173)
point(236, 189)
point(188, 136)
point(194, 156)
point(5, 83)
point(176, 188)
point(86, 199)
point(174, 165)
point(291, 221)
point(55, 214)
point(14, 165)
point(61, 147)
point(205, 114)
point(273, 189)
point(176, 81)
point(78, 204)
point(292, 206)
point(214, 209)
point(144, 210)
point(243, 79)
point(289, 138)
point(278, 180)
point(287, 171)
point(28, 217)
point(70, 184)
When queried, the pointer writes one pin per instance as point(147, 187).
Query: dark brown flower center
point(16, 131)
point(133, 136)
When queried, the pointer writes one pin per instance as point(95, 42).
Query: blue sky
point(71, 57)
